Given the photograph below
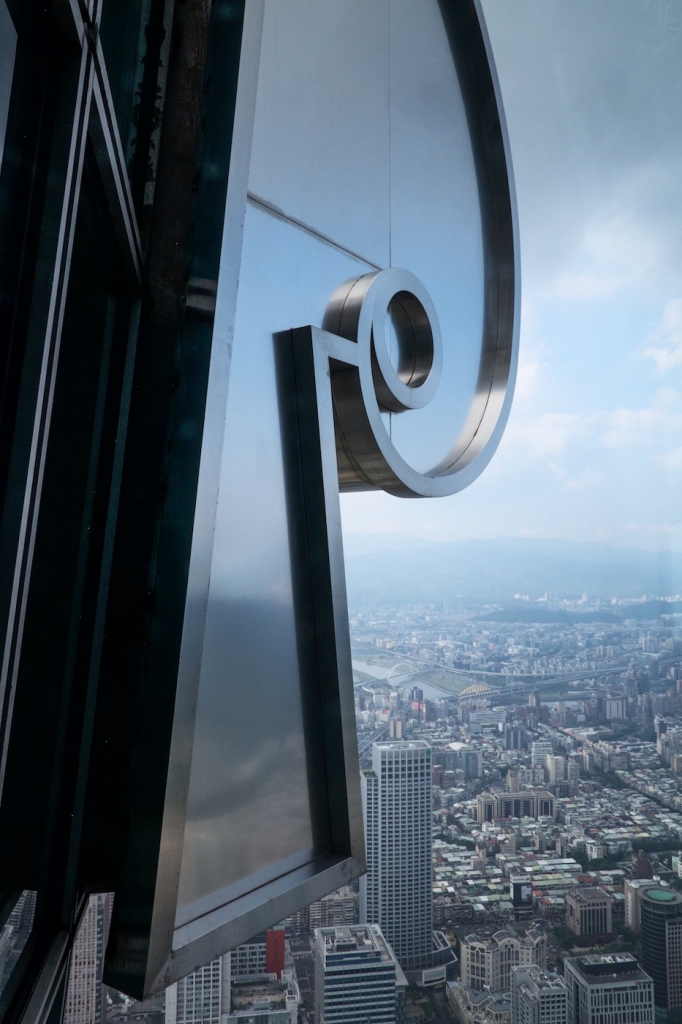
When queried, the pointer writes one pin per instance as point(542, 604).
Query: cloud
point(665, 344)
point(672, 461)
point(547, 434)
point(637, 428)
point(586, 481)
point(614, 255)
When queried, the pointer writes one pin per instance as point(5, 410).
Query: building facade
point(538, 997)
point(487, 962)
point(632, 889)
point(660, 915)
point(84, 996)
point(203, 997)
point(396, 892)
point(608, 987)
point(589, 911)
point(527, 803)
point(357, 977)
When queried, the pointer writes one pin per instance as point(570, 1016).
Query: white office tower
point(396, 892)
point(555, 768)
point(538, 997)
point(357, 977)
point(203, 997)
point(538, 753)
point(608, 988)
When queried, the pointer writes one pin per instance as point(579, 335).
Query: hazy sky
point(593, 449)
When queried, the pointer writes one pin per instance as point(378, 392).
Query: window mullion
point(110, 158)
point(47, 320)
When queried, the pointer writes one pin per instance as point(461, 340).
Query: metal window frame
point(82, 115)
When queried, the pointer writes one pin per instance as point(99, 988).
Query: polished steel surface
point(436, 230)
point(249, 763)
point(322, 133)
point(449, 220)
point(366, 183)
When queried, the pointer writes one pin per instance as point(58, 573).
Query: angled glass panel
point(8, 44)
point(15, 931)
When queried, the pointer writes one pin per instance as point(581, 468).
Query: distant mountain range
point(400, 570)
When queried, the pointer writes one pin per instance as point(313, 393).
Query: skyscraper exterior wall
point(556, 768)
point(538, 997)
point(539, 751)
point(608, 987)
point(203, 997)
point(84, 996)
point(632, 889)
point(660, 916)
point(396, 893)
point(357, 977)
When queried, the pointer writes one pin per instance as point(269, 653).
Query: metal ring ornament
point(359, 311)
point(363, 390)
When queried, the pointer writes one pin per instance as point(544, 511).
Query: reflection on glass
point(8, 45)
point(15, 933)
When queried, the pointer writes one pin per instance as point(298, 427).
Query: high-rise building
point(589, 911)
point(15, 932)
point(573, 766)
point(660, 916)
point(555, 767)
point(357, 977)
point(486, 962)
point(515, 737)
point(538, 997)
point(538, 753)
point(396, 892)
point(632, 888)
point(608, 987)
point(84, 995)
point(203, 997)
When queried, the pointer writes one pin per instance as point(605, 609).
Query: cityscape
point(522, 796)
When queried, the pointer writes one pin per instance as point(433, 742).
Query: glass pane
point(15, 933)
point(8, 44)
point(123, 43)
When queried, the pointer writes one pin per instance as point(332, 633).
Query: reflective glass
point(8, 45)
point(15, 932)
point(123, 44)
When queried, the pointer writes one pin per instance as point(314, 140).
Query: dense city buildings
point(609, 987)
point(660, 912)
point(358, 979)
point(538, 997)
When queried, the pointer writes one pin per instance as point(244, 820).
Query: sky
point(593, 449)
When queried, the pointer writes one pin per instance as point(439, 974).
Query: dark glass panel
point(17, 922)
point(123, 36)
point(64, 612)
